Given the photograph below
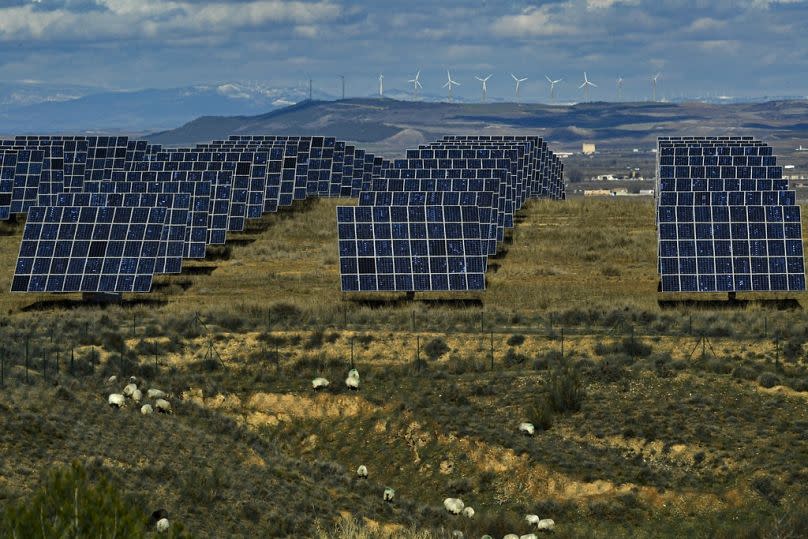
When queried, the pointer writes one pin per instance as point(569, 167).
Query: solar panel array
point(428, 222)
point(86, 198)
point(726, 219)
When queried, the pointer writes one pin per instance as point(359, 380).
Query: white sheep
point(129, 390)
point(112, 379)
point(389, 494)
point(116, 400)
point(137, 395)
point(468, 512)
point(162, 525)
point(362, 471)
point(319, 383)
point(546, 524)
point(511, 536)
point(527, 428)
point(352, 382)
point(156, 394)
point(533, 520)
point(162, 406)
point(457, 534)
point(453, 505)
point(133, 380)
point(486, 536)
point(529, 536)
point(146, 409)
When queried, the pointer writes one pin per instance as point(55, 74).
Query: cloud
point(532, 21)
point(155, 18)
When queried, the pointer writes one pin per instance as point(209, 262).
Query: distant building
point(588, 148)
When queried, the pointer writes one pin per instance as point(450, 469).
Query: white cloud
point(602, 4)
point(533, 21)
point(157, 18)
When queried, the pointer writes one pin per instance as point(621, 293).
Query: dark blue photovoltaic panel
point(726, 219)
point(8, 166)
point(89, 249)
point(410, 248)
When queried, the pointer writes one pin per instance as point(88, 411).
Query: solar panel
point(726, 219)
point(410, 248)
point(88, 249)
point(8, 166)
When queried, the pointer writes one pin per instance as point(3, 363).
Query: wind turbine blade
point(593, 84)
point(418, 84)
point(514, 76)
point(581, 86)
point(445, 85)
point(548, 79)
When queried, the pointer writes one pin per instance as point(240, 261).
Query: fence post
point(562, 343)
point(352, 341)
point(72, 361)
point(2, 366)
point(492, 350)
point(45, 366)
point(27, 337)
point(418, 352)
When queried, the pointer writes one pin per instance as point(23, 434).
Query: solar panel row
point(726, 221)
point(428, 222)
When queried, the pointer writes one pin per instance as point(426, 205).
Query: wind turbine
point(518, 80)
point(416, 83)
point(450, 83)
point(653, 86)
point(485, 86)
point(381, 85)
point(619, 87)
point(552, 85)
point(587, 83)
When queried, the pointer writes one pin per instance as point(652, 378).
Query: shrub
point(541, 414)
point(435, 348)
point(742, 372)
point(792, 349)
point(565, 391)
point(768, 489)
point(314, 341)
point(768, 379)
point(513, 358)
point(800, 385)
point(70, 504)
point(516, 340)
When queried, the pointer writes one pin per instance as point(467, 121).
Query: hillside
point(644, 429)
point(378, 122)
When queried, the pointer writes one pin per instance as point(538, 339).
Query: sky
point(701, 47)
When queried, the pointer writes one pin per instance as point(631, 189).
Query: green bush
point(792, 349)
point(435, 348)
point(516, 340)
point(768, 379)
point(513, 358)
point(541, 414)
point(71, 504)
point(565, 390)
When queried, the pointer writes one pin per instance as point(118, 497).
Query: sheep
point(352, 382)
point(137, 395)
point(133, 380)
point(457, 534)
point(468, 512)
point(529, 536)
point(532, 520)
point(546, 524)
point(162, 406)
point(129, 390)
point(162, 525)
point(389, 494)
point(486, 536)
point(362, 471)
point(319, 383)
point(527, 428)
point(116, 400)
point(453, 505)
point(146, 409)
point(511, 536)
point(156, 394)
point(112, 379)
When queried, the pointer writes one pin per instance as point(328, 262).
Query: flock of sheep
point(454, 506)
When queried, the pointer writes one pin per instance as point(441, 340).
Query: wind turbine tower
point(552, 85)
point(587, 83)
point(416, 83)
point(653, 86)
point(450, 83)
point(619, 88)
point(518, 81)
point(485, 86)
point(381, 85)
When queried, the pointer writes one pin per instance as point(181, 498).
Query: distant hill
point(391, 125)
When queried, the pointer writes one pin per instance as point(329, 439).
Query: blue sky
point(717, 47)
